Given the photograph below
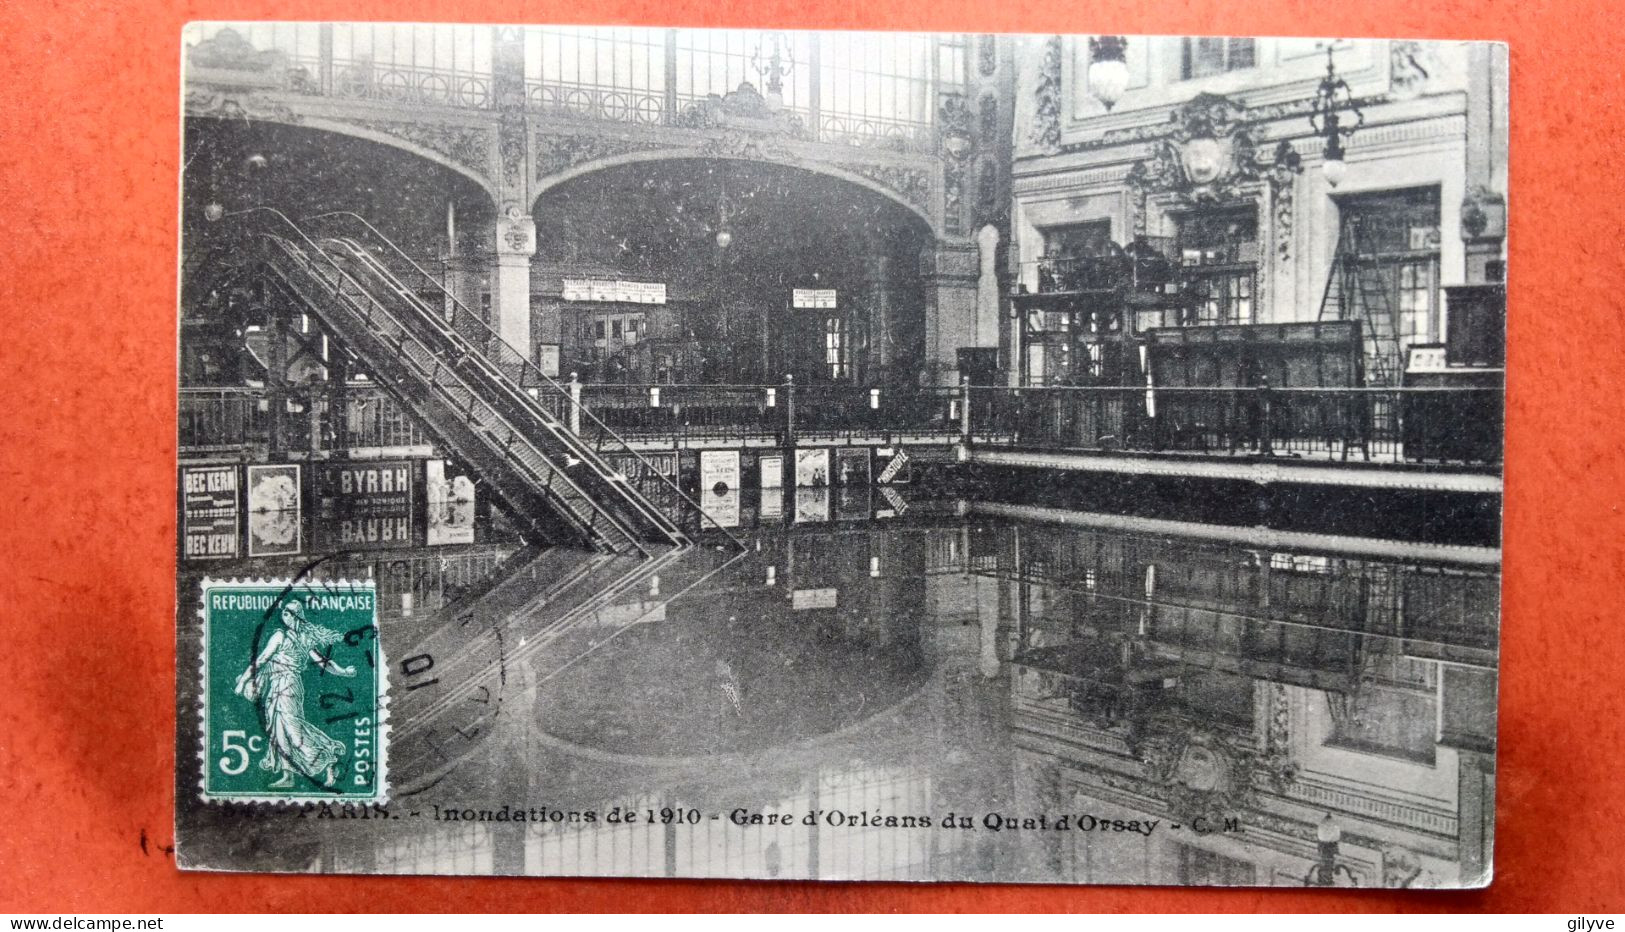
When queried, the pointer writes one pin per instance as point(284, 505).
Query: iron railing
point(222, 419)
point(1370, 424)
point(233, 419)
point(1418, 425)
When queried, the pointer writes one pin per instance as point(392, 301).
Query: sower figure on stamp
point(275, 683)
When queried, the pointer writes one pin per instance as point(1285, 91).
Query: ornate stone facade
point(468, 146)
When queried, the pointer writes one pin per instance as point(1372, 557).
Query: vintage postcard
point(839, 456)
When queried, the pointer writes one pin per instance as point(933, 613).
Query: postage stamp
point(293, 692)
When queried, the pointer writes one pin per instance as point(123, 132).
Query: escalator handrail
point(588, 452)
point(558, 473)
point(645, 509)
point(525, 361)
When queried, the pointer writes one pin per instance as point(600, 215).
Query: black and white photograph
point(844, 456)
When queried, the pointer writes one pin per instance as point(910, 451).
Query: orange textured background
point(88, 155)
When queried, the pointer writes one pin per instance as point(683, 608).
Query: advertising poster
point(812, 469)
point(719, 470)
point(450, 505)
point(852, 467)
point(274, 506)
point(772, 472)
point(852, 502)
point(210, 513)
point(772, 504)
point(812, 505)
point(721, 507)
point(365, 505)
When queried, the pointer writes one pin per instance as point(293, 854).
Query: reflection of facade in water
point(1296, 695)
point(917, 669)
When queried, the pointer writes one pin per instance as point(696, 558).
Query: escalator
point(481, 399)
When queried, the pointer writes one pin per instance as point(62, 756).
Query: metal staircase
point(1358, 290)
point(479, 397)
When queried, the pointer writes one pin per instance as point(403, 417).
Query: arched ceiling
point(308, 171)
point(655, 216)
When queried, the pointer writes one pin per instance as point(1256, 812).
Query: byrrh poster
point(1246, 636)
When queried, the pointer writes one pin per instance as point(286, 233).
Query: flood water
point(878, 684)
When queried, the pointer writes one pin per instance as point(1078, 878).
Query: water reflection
point(894, 688)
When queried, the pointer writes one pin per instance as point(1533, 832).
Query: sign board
point(813, 298)
point(812, 468)
point(547, 359)
point(629, 464)
point(896, 470)
point(450, 505)
point(1426, 358)
point(365, 504)
point(622, 292)
point(804, 599)
point(895, 499)
point(719, 469)
point(275, 504)
point(210, 513)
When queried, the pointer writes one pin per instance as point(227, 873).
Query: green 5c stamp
point(293, 690)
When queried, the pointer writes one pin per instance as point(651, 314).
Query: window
point(613, 332)
point(1093, 238)
point(951, 60)
point(836, 350)
point(1204, 57)
point(1219, 252)
point(875, 84)
point(612, 73)
point(717, 61)
point(1391, 263)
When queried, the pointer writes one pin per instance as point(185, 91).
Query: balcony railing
point(221, 420)
point(1380, 425)
point(363, 79)
point(1460, 425)
point(1149, 264)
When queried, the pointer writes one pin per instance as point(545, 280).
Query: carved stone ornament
point(516, 236)
point(556, 154)
point(737, 145)
point(912, 184)
point(1204, 775)
point(511, 130)
point(953, 196)
point(743, 108)
point(1205, 153)
point(1047, 110)
point(987, 54)
point(1483, 215)
point(229, 104)
point(228, 50)
point(1411, 66)
point(954, 121)
point(468, 146)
